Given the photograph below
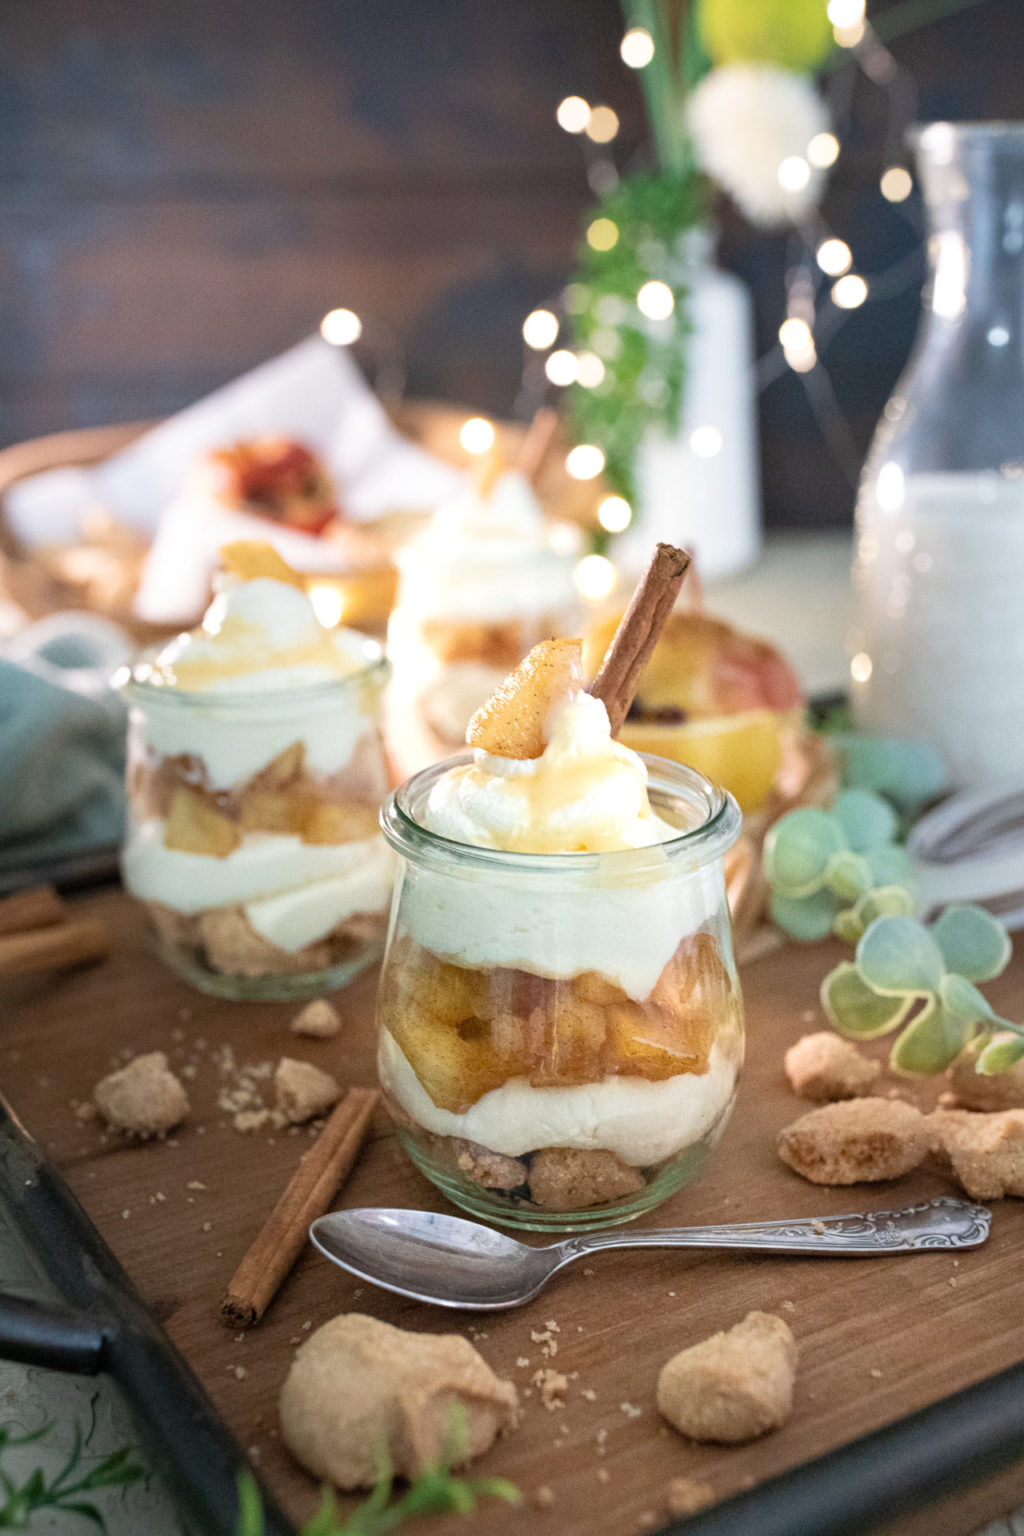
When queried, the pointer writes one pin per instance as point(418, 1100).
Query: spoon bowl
point(452, 1262)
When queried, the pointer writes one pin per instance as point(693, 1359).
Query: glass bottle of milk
point(938, 646)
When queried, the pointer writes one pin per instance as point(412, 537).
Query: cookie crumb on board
point(732, 1386)
point(143, 1098)
point(320, 1020)
point(857, 1141)
point(303, 1091)
point(985, 1151)
point(825, 1067)
point(685, 1495)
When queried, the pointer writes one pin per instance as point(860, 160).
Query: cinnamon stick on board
point(63, 944)
point(38, 906)
point(642, 623)
point(313, 1186)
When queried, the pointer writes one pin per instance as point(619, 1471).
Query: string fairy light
point(615, 514)
point(341, 327)
point(602, 234)
point(850, 291)
point(896, 184)
point(595, 577)
point(477, 435)
point(834, 257)
point(573, 114)
point(602, 125)
point(540, 329)
point(656, 300)
point(637, 48)
point(585, 462)
point(562, 367)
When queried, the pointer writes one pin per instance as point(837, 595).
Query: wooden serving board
point(877, 1338)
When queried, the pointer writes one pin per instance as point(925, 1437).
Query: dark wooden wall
point(187, 185)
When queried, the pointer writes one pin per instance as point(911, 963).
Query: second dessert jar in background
point(255, 776)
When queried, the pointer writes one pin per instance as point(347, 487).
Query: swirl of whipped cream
point(585, 793)
point(257, 635)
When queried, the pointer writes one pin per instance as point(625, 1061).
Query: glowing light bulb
point(477, 435)
point(602, 234)
point(656, 301)
point(637, 48)
point(850, 291)
point(849, 37)
point(896, 184)
point(590, 370)
point(834, 257)
point(327, 603)
point(705, 442)
point(823, 150)
point(540, 329)
point(615, 514)
point(595, 577)
point(585, 462)
point(795, 334)
point(861, 667)
point(562, 367)
point(802, 359)
point(845, 13)
point(602, 125)
point(573, 114)
point(794, 173)
point(341, 327)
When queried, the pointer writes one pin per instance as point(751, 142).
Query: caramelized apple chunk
point(195, 825)
point(253, 559)
point(514, 720)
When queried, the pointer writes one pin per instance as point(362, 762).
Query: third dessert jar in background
point(560, 1033)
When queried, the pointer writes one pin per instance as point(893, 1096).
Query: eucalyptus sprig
point(644, 218)
point(435, 1491)
point(901, 963)
point(67, 1491)
point(837, 871)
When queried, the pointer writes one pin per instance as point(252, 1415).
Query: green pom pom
point(794, 34)
point(898, 954)
point(972, 942)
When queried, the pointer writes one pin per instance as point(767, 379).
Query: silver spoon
point(456, 1263)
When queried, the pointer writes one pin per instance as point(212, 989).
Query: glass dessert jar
point(560, 1035)
point(481, 585)
point(253, 836)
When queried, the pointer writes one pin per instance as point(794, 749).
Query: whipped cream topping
point(257, 636)
point(490, 558)
point(585, 793)
point(641, 1121)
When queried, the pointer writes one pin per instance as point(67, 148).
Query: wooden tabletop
point(877, 1338)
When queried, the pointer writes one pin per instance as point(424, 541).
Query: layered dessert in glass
point(560, 1023)
point(487, 579)
point(255, 776)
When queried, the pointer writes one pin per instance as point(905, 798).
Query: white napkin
point(314, 392)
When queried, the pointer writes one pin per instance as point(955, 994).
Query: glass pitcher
point(938, 645)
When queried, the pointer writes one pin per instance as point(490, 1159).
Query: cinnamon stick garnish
point(37, 907)
point(49, 948)
point(536, 441)
point(316, 1181)
point(635, 638)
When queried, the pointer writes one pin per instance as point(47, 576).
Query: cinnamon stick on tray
point(321, 1172)
point(49, 948)
point(38, 906)
point(635, 638)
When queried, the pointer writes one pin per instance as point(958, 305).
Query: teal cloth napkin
point(62, 734)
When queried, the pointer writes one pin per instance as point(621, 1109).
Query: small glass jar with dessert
point(560, 1022)
point(487, 580)
point(255, 776)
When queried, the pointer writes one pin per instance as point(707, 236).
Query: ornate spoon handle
point(942, 1223)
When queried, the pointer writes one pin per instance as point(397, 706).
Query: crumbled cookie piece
point(552, 1386)
point(569, 1179)
point(975, 1090)
point(860, 1141)
point(303, 1091)
point(144, 1098)
point(358, 1386)
point(825, 1067)
point(491, 1170)
point(986, 1151)
point(320, 1020)
point(685, 1495)
point(733, 1386)
point(234, 948)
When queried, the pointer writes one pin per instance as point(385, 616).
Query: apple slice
point(514, 720)
point(252, 559)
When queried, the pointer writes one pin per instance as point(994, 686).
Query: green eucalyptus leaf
point(898, 955)
point(973, 942)
point(797, 851)
point(847, 925)
point(885, 901)
point(890, 865)
point(867, 820)
point(847, 875)
point(1000, 1055)
point(855, 1010)
point(962, 999)
point(806, 918)
point(930, 1043)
